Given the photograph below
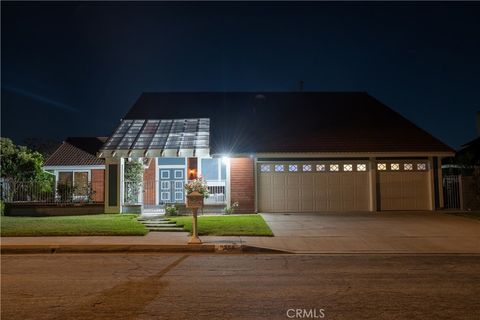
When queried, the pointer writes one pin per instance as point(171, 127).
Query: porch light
point(225, 159)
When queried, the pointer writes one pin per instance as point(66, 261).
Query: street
point(176, 286)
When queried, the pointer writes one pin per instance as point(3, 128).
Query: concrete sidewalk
point(152, 242)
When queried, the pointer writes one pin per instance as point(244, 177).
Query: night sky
point(74, 69)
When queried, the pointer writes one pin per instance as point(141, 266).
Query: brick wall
point(150, 183)
point(98, 184)
point(242, 184)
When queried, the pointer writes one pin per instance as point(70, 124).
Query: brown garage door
point(313, 186)
point(404, 185)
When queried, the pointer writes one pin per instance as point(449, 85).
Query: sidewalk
point(152, 242)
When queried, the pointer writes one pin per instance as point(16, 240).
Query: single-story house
point(270, 152)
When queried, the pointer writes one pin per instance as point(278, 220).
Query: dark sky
point(74, 69)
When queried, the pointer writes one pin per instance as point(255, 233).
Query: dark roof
point(242, 122)
point(77, 151)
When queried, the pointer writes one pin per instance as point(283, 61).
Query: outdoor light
point(225, 159)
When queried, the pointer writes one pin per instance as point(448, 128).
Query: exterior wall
point(150, 183)
point(242, 184)
point(98, 184)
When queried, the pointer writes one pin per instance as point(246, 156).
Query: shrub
point(231, 209)
point(171, 210)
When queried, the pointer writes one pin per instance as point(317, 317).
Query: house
point(75, 163)
point(275, 152)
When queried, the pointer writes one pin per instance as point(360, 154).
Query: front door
point(172, 181)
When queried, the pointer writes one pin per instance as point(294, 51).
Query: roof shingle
point(77, 151)
point(247, 122)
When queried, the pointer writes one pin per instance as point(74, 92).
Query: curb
point(204, 248)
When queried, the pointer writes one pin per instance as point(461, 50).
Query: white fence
point(452, 191)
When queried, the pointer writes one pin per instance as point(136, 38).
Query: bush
point(2, 208)
point(171, 210)
point(231, 209)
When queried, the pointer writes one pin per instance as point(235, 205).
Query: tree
point(22, 175)
point(19, 163)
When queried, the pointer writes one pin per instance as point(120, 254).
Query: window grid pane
point(320, 167)
point(421, 166)
point(279, 168)
point(293, 168)
point(395, 166)
point(361, 167)
point(265, 168)
point(347, 167)
point(381, 166)
point(334, 167)
point(307, 167)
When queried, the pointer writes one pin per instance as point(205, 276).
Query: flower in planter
point(199, 185)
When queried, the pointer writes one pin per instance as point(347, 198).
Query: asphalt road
point(134, 286)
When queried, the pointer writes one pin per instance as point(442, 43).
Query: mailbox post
point(194, 202)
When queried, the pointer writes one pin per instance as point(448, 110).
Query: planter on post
point(194, 202)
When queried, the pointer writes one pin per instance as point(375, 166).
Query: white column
point(114, 185)
point(431, 188)
point(372, 175)
point(227, 184)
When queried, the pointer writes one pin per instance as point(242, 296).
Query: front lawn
point(90, 225)
point(238, 225)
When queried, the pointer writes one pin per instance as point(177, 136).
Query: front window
point(80, 183)
point(72, 183)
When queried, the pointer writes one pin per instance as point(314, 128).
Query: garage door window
point(293, 168)
point(347, 167)
point(279, 168)
point(395, 166)
point(407, 166)
point(320, 167)
point(334, 167)
point(307, 167)
point(361, 167)
point(421, 166)
point(381, 166)
point(265, 168)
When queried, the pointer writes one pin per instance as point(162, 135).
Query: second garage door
point(313, 186)
point(404, 185)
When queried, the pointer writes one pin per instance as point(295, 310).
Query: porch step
point(166, 229)
point(160, 224)
point(157, 224)
point(151, 219)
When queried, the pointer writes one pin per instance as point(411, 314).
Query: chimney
point(478, 123)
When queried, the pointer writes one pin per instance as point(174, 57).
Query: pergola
point(149, 138)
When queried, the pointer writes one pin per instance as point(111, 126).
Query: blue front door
point(172, 181)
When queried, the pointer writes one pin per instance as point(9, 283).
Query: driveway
point(382, 232)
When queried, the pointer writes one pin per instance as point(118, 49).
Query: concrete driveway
point(385, 232)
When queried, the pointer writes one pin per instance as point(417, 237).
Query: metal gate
point(452, 191)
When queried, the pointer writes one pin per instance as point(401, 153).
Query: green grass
point(238, 225)
point(467, 214)
point(90, 225)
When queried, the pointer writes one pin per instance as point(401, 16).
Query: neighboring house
point(276, 152)
point(75, 164)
